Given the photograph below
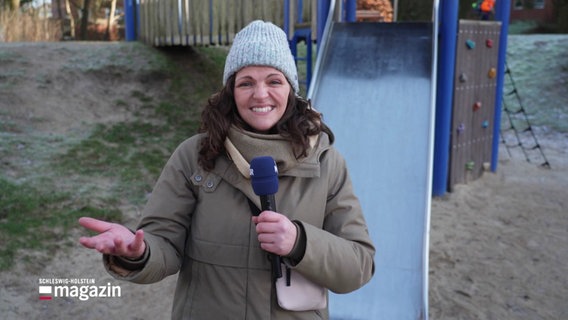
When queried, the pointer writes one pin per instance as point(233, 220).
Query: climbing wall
point(475, 86)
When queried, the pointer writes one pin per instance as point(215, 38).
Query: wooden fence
point(204, 22)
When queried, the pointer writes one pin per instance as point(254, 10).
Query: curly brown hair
point(298, 122)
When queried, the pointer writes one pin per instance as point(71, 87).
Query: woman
point(199, 219)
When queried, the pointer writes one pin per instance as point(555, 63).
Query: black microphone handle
point(268, 202)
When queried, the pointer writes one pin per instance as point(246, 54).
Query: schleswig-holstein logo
point(81, 289)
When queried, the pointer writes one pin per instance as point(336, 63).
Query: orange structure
point(374, 10)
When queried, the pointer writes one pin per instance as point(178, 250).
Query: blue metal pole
point(502, 13)
point(444, 93)
point(323, 9)
point(129, 20)
point(351, 11)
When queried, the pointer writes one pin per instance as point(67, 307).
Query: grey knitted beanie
point(261, 44)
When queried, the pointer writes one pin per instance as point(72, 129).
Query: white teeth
point(263, 109)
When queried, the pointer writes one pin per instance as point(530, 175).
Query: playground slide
point(374, 85)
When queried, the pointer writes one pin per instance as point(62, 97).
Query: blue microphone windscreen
point(264, 176)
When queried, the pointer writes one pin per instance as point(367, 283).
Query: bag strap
point(254, 210)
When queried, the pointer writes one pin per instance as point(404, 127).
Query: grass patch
point(115, 164)
point(130, 57)
point(132, 153)
point(8, 57)
point(38, 219)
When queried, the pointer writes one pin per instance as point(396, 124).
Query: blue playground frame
point(448, 26)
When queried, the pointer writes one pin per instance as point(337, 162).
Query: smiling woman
point(202, 218)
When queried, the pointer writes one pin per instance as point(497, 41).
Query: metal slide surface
point(374, 86)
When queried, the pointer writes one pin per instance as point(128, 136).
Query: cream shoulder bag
point(297, 293)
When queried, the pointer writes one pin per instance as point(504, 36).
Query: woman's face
point(261, 95)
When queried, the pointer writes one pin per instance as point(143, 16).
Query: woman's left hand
point(276, 233)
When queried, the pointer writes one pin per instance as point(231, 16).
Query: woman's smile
point(262, 109)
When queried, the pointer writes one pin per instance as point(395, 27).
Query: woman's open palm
point(113, 239)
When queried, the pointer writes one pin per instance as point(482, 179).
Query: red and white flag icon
point(45, 293)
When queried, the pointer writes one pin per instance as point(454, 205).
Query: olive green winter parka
point(199, 223)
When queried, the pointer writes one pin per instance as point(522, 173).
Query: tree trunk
point(110, 19)
point(61, 18)
point(14, 4)
point(71, 19)
point(45, 22)
point(85, 19)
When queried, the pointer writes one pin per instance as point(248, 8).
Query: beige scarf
point(242, 146)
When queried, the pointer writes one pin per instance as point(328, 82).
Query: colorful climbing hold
point(485, 124)
point(460, 128)
point(492, 73)
point(469, 166)
point(489, 43)
point(477, 106)
point(470, 44)
point(463, 77)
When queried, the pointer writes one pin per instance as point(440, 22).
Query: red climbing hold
point(477, 106)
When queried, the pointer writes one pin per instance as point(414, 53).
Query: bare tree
point(110, 19)
point(71, 18)
point(14, 4)
point(85, 19)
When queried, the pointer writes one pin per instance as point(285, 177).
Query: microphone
point(264, 179)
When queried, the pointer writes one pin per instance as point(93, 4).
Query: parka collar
point(242, 146)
